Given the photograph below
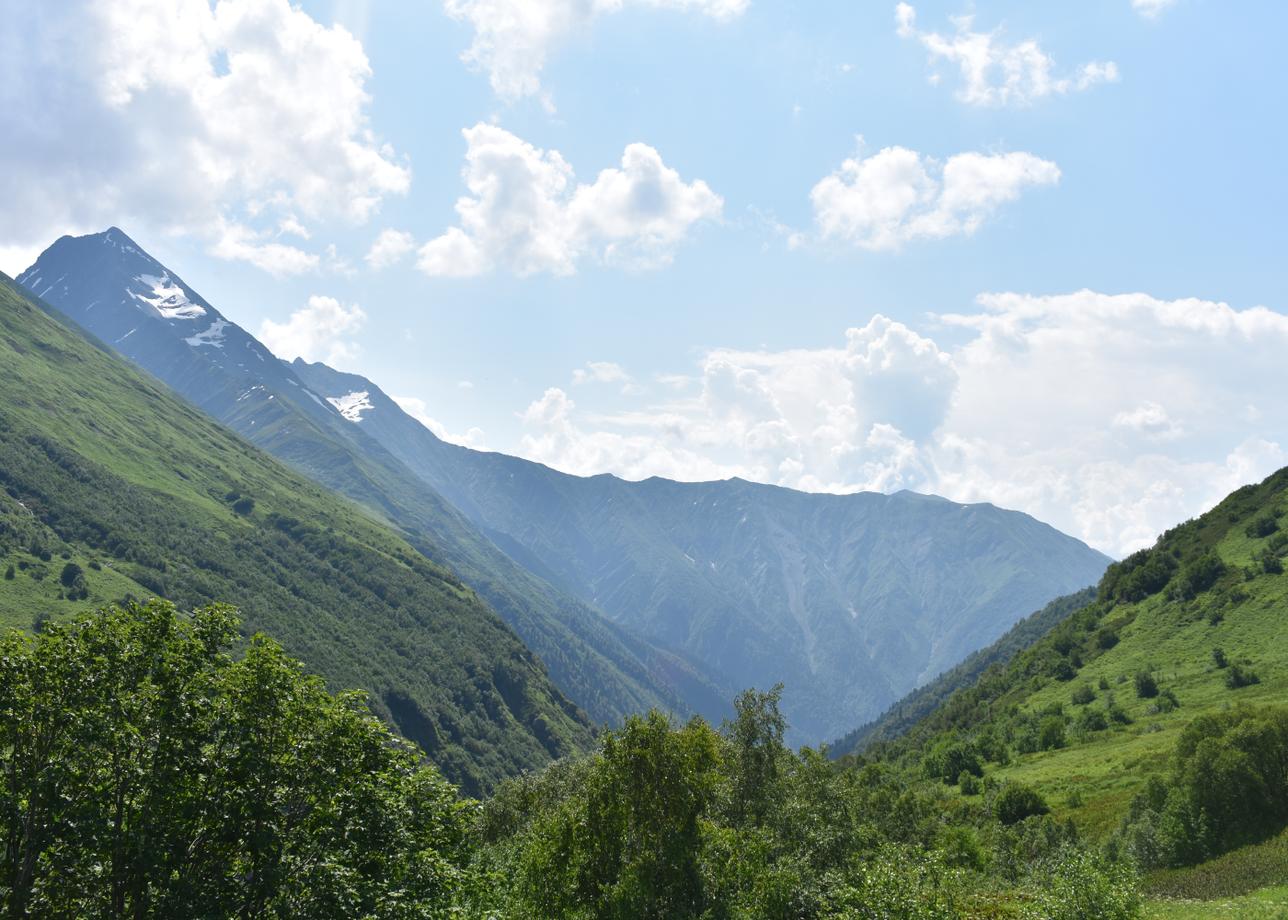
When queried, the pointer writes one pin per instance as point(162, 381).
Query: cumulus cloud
point(525, 214)
point(1112, 417)
point(419, 410)
point(995, 73)
point(512, 38)
point(1151, 9)
point(389, 247)
point(229, 121)
point(322, 330)
point(898, 195)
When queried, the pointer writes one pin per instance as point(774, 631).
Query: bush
point(1263, 526)
point(1015, 802)
point(1199, 575)
point(1106, 639)
point(1051, 733)
point(1146, 686)
point(1103, 684)
point(71, 571)
point(244, 506)
point(1083, 695)
point(1093, 720)
point(9, 573)
point(969, 783)
point(1078, 884)
point(1236, 677)
point(1219, 659)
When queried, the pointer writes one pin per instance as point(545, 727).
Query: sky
point(1031, 254)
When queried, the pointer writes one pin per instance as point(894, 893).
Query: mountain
point(108, 285)
point(921, 702)
point(110, 486)
point(849, 600)
point(1178, 640)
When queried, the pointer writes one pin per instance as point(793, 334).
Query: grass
point(1265, 904)
point(1174, 640)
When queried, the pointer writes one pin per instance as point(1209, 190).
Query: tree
point(756, 736)
point(1219, 659)
point(1146, 686)
point(1015, 802)
point(627, 845)
point(147, 773)
point(9, 573)
point(1051, 733)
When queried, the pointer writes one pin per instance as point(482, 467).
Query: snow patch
point(214, 336)
point(166, 298)
point(352, 405)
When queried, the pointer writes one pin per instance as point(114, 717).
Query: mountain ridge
point(107, 284)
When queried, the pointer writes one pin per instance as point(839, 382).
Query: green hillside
point(1106, 715)
point(106, 284)
point(103, 470)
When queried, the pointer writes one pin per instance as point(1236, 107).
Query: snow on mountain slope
point(352, 405)
point(166, 297)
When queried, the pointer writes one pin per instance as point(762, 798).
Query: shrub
point(244, 506)
point(1263, 526)
point(1015, 802)
point(1146, 686)
point(1106, 638)
point(1219, 659)
point(969, 783)
point(1083, 695)
point(71, 571)
point(1093, 720)
point(1051, 733)
point(1236, 677)
point(1078, 884)
point(1103, 683)
point(9, 573)
point(1199, 575)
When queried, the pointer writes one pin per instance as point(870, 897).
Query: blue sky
point(738, 300)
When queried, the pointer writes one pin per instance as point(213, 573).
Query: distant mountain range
point(634, 593)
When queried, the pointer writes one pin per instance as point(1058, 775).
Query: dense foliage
point(1228, 786)
point(691, 822)
point(146, 773)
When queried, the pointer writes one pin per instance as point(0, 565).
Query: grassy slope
point(1093, 779)
point(110, 468)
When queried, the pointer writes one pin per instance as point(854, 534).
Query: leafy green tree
point(1051, 733)
point(1015, 802)
point(627, 846)
point(756, 738)
point(144, 772)
point(1146, 686)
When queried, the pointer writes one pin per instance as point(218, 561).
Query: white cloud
point(898, 195)
point(512, 38)
point(1151, 9)
point(994, 73)
point(186, 117)
point(1151, 419)
point(237, 242)
point(600, 372)
point(322, 330)
point(419, 410)
point(1112, 417)
point(389, 247)
point(524, 213)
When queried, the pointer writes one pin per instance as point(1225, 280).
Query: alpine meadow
point(643, 460)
